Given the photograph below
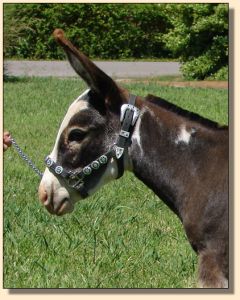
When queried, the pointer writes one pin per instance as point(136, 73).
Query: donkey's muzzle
point(57, 203)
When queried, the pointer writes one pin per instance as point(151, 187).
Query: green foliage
point(195, 33)
point(199, 36)
point(99, 30)
point(220, 74)
point(11, 32)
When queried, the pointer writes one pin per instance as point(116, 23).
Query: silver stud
point(49, 162)
point(58, 170)
point(95, 164)
point(87, 170)
point(103, 159)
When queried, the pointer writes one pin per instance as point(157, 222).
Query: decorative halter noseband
point(76, 180)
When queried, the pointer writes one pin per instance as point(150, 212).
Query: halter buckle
point(131, 107)
point(74, 180)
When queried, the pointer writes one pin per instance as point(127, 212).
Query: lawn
point(122, 237)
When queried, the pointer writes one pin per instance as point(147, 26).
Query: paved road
point(115, 69)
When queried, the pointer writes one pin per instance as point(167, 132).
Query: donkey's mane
point(184, 113)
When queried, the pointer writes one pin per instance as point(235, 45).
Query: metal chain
point(26, 158)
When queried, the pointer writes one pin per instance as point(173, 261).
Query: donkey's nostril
point(43, 196)
point(64, 206)
point(45, 199)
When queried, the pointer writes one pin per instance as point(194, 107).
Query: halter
point(76, 180)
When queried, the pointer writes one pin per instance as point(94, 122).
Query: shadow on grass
point(10, 78)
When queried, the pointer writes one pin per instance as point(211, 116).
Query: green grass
point(122, 237)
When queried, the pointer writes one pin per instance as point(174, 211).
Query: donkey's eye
point(76, 135)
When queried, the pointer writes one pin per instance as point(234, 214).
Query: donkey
point(181, 156)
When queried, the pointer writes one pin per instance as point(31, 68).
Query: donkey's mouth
point(64, 207)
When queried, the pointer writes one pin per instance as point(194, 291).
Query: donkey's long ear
point(95, 78)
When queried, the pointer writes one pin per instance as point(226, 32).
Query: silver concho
point(119, 151)
point(87, 170)
point(58, 170)
point(49, 162)
point(95, 164)
point(103, 159)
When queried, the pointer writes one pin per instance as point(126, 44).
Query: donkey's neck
point(166, 153)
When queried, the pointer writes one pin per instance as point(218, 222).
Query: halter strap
point(76, 180)
point(124, 139)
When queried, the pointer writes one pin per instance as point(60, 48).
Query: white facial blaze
point(184, 136)
point(50, 182)
point(78, 105)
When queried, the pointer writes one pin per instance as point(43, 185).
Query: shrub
point(11, 32)
point(199, 36)
point(100, 30)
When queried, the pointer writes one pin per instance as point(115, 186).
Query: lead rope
point(26, 158)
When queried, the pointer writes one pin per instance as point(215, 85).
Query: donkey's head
point(88, 148)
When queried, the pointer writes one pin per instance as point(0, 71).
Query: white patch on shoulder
point(184, 136)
